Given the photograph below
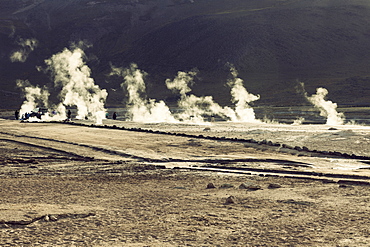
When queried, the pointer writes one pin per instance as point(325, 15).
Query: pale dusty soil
point(66, 185)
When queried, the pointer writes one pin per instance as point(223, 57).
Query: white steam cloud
point(327, 108)
point(140, 109)
point(78, 89)
point(241, 97)
point(193, 108)
point(12, 30)
point(196, 108)
point(35, 96)
point(21, 55)
point(72, 77)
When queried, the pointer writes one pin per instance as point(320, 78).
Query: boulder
point(231, 200)
point(226, 186)
point(249, 186)
point(274, 186)
point(211, 186)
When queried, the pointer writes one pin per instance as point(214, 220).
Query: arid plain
point(157, 184)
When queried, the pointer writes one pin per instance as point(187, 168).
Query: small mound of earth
point(23, 214)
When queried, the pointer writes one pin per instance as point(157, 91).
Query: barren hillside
point(273, 44)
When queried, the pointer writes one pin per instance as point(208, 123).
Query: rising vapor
point(27, 46)
point(72, 76)
point(241, 98)
point(327, 108)
point(193, 108)
point(139, 108)
point(77, 89)
point(34, 96)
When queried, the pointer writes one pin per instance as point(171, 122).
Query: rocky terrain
point(85, 185)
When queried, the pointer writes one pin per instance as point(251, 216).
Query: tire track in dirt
point(66, 145)
point(83, 148)
point(258, 145)
point(46, 148)
point(139, 158)
point(320, 176)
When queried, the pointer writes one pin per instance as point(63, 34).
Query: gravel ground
point(67, 185)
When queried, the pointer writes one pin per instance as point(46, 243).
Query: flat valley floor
point(72, 185)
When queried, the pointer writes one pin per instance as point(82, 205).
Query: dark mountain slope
point(271, 43)
point(310, 44)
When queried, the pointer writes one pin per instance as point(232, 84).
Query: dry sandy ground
point(68, 185)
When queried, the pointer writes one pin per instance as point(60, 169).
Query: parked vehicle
point(38, 112)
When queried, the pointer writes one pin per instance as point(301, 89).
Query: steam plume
point(39, 97)
point(327, 108)
point(241, 98)
point(194, 108)
point(21, 55)
point(72, 75)
point(35, 96)
point(12, 31)
point(139, 108)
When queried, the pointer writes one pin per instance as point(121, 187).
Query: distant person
point(107, 115)
point(69, 114)
point(114, 116)
point(16, 115)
